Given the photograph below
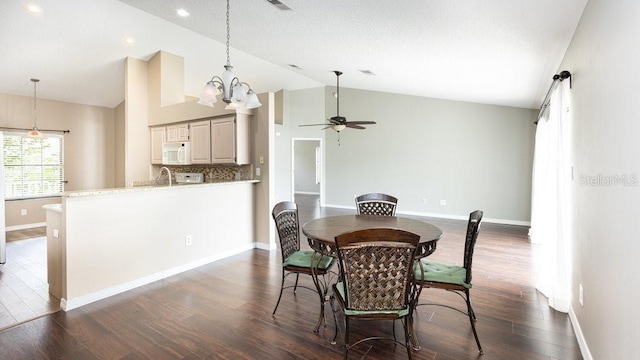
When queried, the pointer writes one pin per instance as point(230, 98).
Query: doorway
point(307, 168)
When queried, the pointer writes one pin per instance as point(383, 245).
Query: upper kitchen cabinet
point(221, 140)
point(178, 132)
point(201, 142)
point(158, 136)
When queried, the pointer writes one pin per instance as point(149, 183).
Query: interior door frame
point(322, 165)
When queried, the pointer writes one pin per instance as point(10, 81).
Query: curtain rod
point(557, 77)
point(43, 130)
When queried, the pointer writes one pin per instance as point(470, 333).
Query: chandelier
point(231, 88)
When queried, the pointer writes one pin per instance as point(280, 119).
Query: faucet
point(168, 174)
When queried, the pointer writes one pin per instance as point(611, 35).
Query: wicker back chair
point(295, 261)
point(376, 204)
point(376, 279)
point(454, 278)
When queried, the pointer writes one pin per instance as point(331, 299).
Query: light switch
point(56, 233)
point(257, 171)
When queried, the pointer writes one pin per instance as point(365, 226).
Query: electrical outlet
point(188, 240)
point(443, 202)
point(23, 212)
point(581, 295)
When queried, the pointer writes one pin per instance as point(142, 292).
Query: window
point(33, 167)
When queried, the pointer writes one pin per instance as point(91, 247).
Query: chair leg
point(346, 337)
point(295, 287)
point(335, 320)
point(321, 293)
point(472, 320)
point(280, 296)
point(407, 336)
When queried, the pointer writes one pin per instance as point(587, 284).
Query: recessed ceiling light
point(33, 8)
point(183, 13)
point(129, 40)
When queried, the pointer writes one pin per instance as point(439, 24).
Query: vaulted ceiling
point(500, 52)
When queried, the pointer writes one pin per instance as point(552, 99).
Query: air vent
point(279, 5)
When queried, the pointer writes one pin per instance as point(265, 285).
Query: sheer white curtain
point(551, 196)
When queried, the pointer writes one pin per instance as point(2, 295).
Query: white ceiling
point(491, 51)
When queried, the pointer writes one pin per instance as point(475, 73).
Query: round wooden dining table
point(321, 232)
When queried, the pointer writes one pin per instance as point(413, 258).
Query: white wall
point(604, 56)
point(305, 166)
point(300, 107)
point(474, 156)
point(115, 242)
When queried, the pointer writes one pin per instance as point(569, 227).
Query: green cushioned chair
point(376, 280)
point(296, 261)
point(453, 278)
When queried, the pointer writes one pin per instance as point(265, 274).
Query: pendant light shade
point(228, 85)
point(34, 132)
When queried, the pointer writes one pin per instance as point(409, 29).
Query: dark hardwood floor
point(223, 311)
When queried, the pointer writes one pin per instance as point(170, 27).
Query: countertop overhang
point(154, 187)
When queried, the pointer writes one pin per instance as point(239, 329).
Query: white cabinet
point(201, 142)
point(178, 132)
point(157, 138)
point(221, 141)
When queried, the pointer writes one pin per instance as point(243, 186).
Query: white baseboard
point(443, 216)
point(584, 348)
point(70, 304)
point(25, 226)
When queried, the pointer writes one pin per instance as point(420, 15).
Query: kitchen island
point(113, 240)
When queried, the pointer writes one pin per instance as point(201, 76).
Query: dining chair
point(376, 204)
point(429, 274)
point(376, 280)
point(296, 261)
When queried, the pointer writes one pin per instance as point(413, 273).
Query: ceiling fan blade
point(315, 125)
point(352, 126)
point(361, 122)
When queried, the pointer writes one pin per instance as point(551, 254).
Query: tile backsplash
point(211, 172)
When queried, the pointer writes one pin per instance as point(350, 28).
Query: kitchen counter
point(114, 240)
point(154, 186)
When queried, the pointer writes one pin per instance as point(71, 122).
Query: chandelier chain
point(228, 35)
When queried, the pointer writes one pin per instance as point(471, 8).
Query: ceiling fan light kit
point(231, 88)
point(339, 123)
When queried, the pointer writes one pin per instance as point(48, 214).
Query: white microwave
point(176, 153)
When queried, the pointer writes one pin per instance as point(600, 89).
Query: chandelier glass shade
point(232, 90)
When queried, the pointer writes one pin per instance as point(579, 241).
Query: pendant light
point(231, 88)
point(34, 132)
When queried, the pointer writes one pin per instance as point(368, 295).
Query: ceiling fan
point(339, 123)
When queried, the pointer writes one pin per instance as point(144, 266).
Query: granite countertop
point(141, 186)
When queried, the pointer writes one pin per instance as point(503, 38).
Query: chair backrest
point(376, 204)
point(285, 214)
point(473, 228)
point(376, 268)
